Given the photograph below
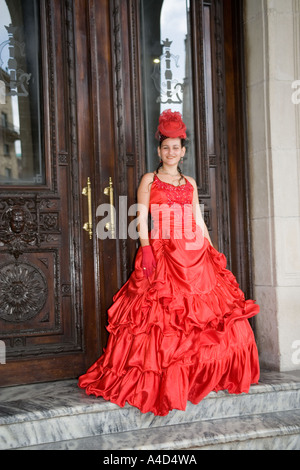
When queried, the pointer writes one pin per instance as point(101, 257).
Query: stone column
point(272, 33)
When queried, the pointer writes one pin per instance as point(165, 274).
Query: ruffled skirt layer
point(178, 336)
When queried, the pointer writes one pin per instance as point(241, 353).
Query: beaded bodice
point(165, 193)
point(171, 209)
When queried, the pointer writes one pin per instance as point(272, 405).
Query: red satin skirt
point(176, 336)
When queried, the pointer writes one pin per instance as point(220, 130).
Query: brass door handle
point(87, 191)
point(109, 191)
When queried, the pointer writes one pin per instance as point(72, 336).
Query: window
point(4, 120)
point(7, 173)
point(167, 71)
point(21, 107)
point(6, 150)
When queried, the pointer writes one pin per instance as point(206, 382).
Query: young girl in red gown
point(179, 326)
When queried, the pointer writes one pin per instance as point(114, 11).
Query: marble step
point(272, 431)
point(41, 414)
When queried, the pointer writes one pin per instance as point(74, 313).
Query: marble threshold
point(58, 415)
point(271, 431)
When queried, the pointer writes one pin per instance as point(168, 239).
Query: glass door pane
point(167, 71)
point(21, 156)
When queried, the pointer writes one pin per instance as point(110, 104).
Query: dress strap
point(186, 181)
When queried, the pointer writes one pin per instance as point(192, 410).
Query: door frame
point(237, 144)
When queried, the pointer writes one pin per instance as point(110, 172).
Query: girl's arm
point(143, 199)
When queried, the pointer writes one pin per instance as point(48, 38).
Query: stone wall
point(272, 36)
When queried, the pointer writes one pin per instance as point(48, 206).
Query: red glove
point(148, 262)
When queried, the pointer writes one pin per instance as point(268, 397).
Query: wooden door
point(120, 83)
point(115, 89)
point(211, 95)
point(55, 281)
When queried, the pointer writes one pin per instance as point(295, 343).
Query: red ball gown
point(182, 333)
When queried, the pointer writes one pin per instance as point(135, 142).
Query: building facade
point(88, 80)
point(9, 166)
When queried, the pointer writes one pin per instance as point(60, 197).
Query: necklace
point(170, 174)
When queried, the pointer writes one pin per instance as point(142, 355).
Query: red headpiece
point(170, 126)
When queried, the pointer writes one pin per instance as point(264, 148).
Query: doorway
point(77, 114)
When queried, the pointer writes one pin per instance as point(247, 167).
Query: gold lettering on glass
point(18, 79)
point(171, 91)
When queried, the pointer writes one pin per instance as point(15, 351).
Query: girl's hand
point(148, 262)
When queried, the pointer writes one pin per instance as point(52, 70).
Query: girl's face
point(171, 152)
